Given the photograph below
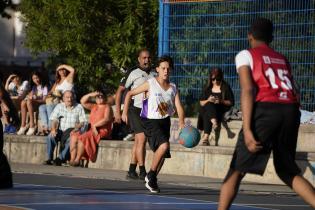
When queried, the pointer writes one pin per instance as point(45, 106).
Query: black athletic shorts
point(276, 127)
point(158, 132)
point(134, 120)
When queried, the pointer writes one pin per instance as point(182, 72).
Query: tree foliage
point(89, 34)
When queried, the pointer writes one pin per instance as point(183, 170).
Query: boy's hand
point(250, 142)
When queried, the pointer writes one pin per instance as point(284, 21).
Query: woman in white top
point(17, 91)
point(163, 99)
point(30, 104)
point(64, 82)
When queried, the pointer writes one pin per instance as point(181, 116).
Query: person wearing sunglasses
point(84, 145)
point(217, 98)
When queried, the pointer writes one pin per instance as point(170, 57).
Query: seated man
point(69, 115)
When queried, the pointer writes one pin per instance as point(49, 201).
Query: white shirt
point(244, 58)
point(161, 103)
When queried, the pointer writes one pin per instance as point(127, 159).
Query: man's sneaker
point(142, 175)
point(47, 162)
point(57, 162)
point(129, 137)
point(151, 184)
point(132, 175)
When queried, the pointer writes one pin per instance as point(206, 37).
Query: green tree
point(89, 34)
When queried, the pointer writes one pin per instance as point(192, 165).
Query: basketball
point(189, 137)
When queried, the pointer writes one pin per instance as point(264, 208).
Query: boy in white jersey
point(163, 98)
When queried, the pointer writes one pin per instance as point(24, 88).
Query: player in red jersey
point(271, 117)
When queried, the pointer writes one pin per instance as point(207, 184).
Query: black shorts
point(134, 120)
point(276, 127)
point(158, 132)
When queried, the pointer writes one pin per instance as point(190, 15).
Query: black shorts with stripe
point(276, 127)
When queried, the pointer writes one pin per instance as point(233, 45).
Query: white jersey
point(136, 78)
point(160, 103)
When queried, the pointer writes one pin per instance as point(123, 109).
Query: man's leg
point(132, 174)
point(140, 153)
point(64, 155)
point(229, 189)
point(51, 143)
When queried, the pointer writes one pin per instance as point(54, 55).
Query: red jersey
point(272, 75)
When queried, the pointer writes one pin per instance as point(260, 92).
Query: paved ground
point(51, 187)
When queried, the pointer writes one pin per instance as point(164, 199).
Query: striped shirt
point(69, 116)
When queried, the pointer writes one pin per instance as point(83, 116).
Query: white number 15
point(282, 75)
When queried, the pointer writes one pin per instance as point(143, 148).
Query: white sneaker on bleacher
point(129, 137)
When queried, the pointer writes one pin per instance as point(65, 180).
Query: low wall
point(207, 161)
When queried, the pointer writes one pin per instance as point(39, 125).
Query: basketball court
point(39, 191)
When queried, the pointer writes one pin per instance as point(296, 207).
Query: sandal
point(205, 141)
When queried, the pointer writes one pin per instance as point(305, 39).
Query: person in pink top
point(84, 145)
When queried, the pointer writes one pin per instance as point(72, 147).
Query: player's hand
point(250, 142)
point(211, 99)
point(53, 133)
point(117, 117)
point(94, 130)
point(124, 117)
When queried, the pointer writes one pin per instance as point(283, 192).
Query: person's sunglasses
point(217, 79)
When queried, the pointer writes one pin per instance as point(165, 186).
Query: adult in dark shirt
point(217, 98)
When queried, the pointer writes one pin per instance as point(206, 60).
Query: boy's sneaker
point(132, 175)
point(151, 184)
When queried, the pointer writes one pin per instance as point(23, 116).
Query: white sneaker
point(22, 131)
point(129, 137)
point(30, 132)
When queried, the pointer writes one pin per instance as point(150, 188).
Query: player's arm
point(180, 111)
point(118, 95)
point(140, 89)
point(247, 103)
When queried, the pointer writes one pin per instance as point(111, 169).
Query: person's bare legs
point(30, 108)
point(23, 113)
point(158, 157)
point(304, 189)
point(80, 152)
point(140, 148)
point(229, 189)
point(73, 148)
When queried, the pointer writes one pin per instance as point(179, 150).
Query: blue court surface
point(28, 196)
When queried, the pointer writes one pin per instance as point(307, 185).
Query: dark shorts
point(276, 127)
point(158, 132)
point(134, 120)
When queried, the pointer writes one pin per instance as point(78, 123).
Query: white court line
point(254, 206)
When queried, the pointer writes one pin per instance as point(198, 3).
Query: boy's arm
point(180, 111)
point(247, 103)
point(142, 88)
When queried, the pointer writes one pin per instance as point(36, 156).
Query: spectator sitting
point(8, 111)
point(70, 116)
point(17, 91)
point(64, 81)
point(36, 97)
point(217, 98)
point(101, 120)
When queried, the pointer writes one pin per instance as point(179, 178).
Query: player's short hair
point(165, 58)
point(262, 29)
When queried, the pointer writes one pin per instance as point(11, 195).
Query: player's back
point(272, 75)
